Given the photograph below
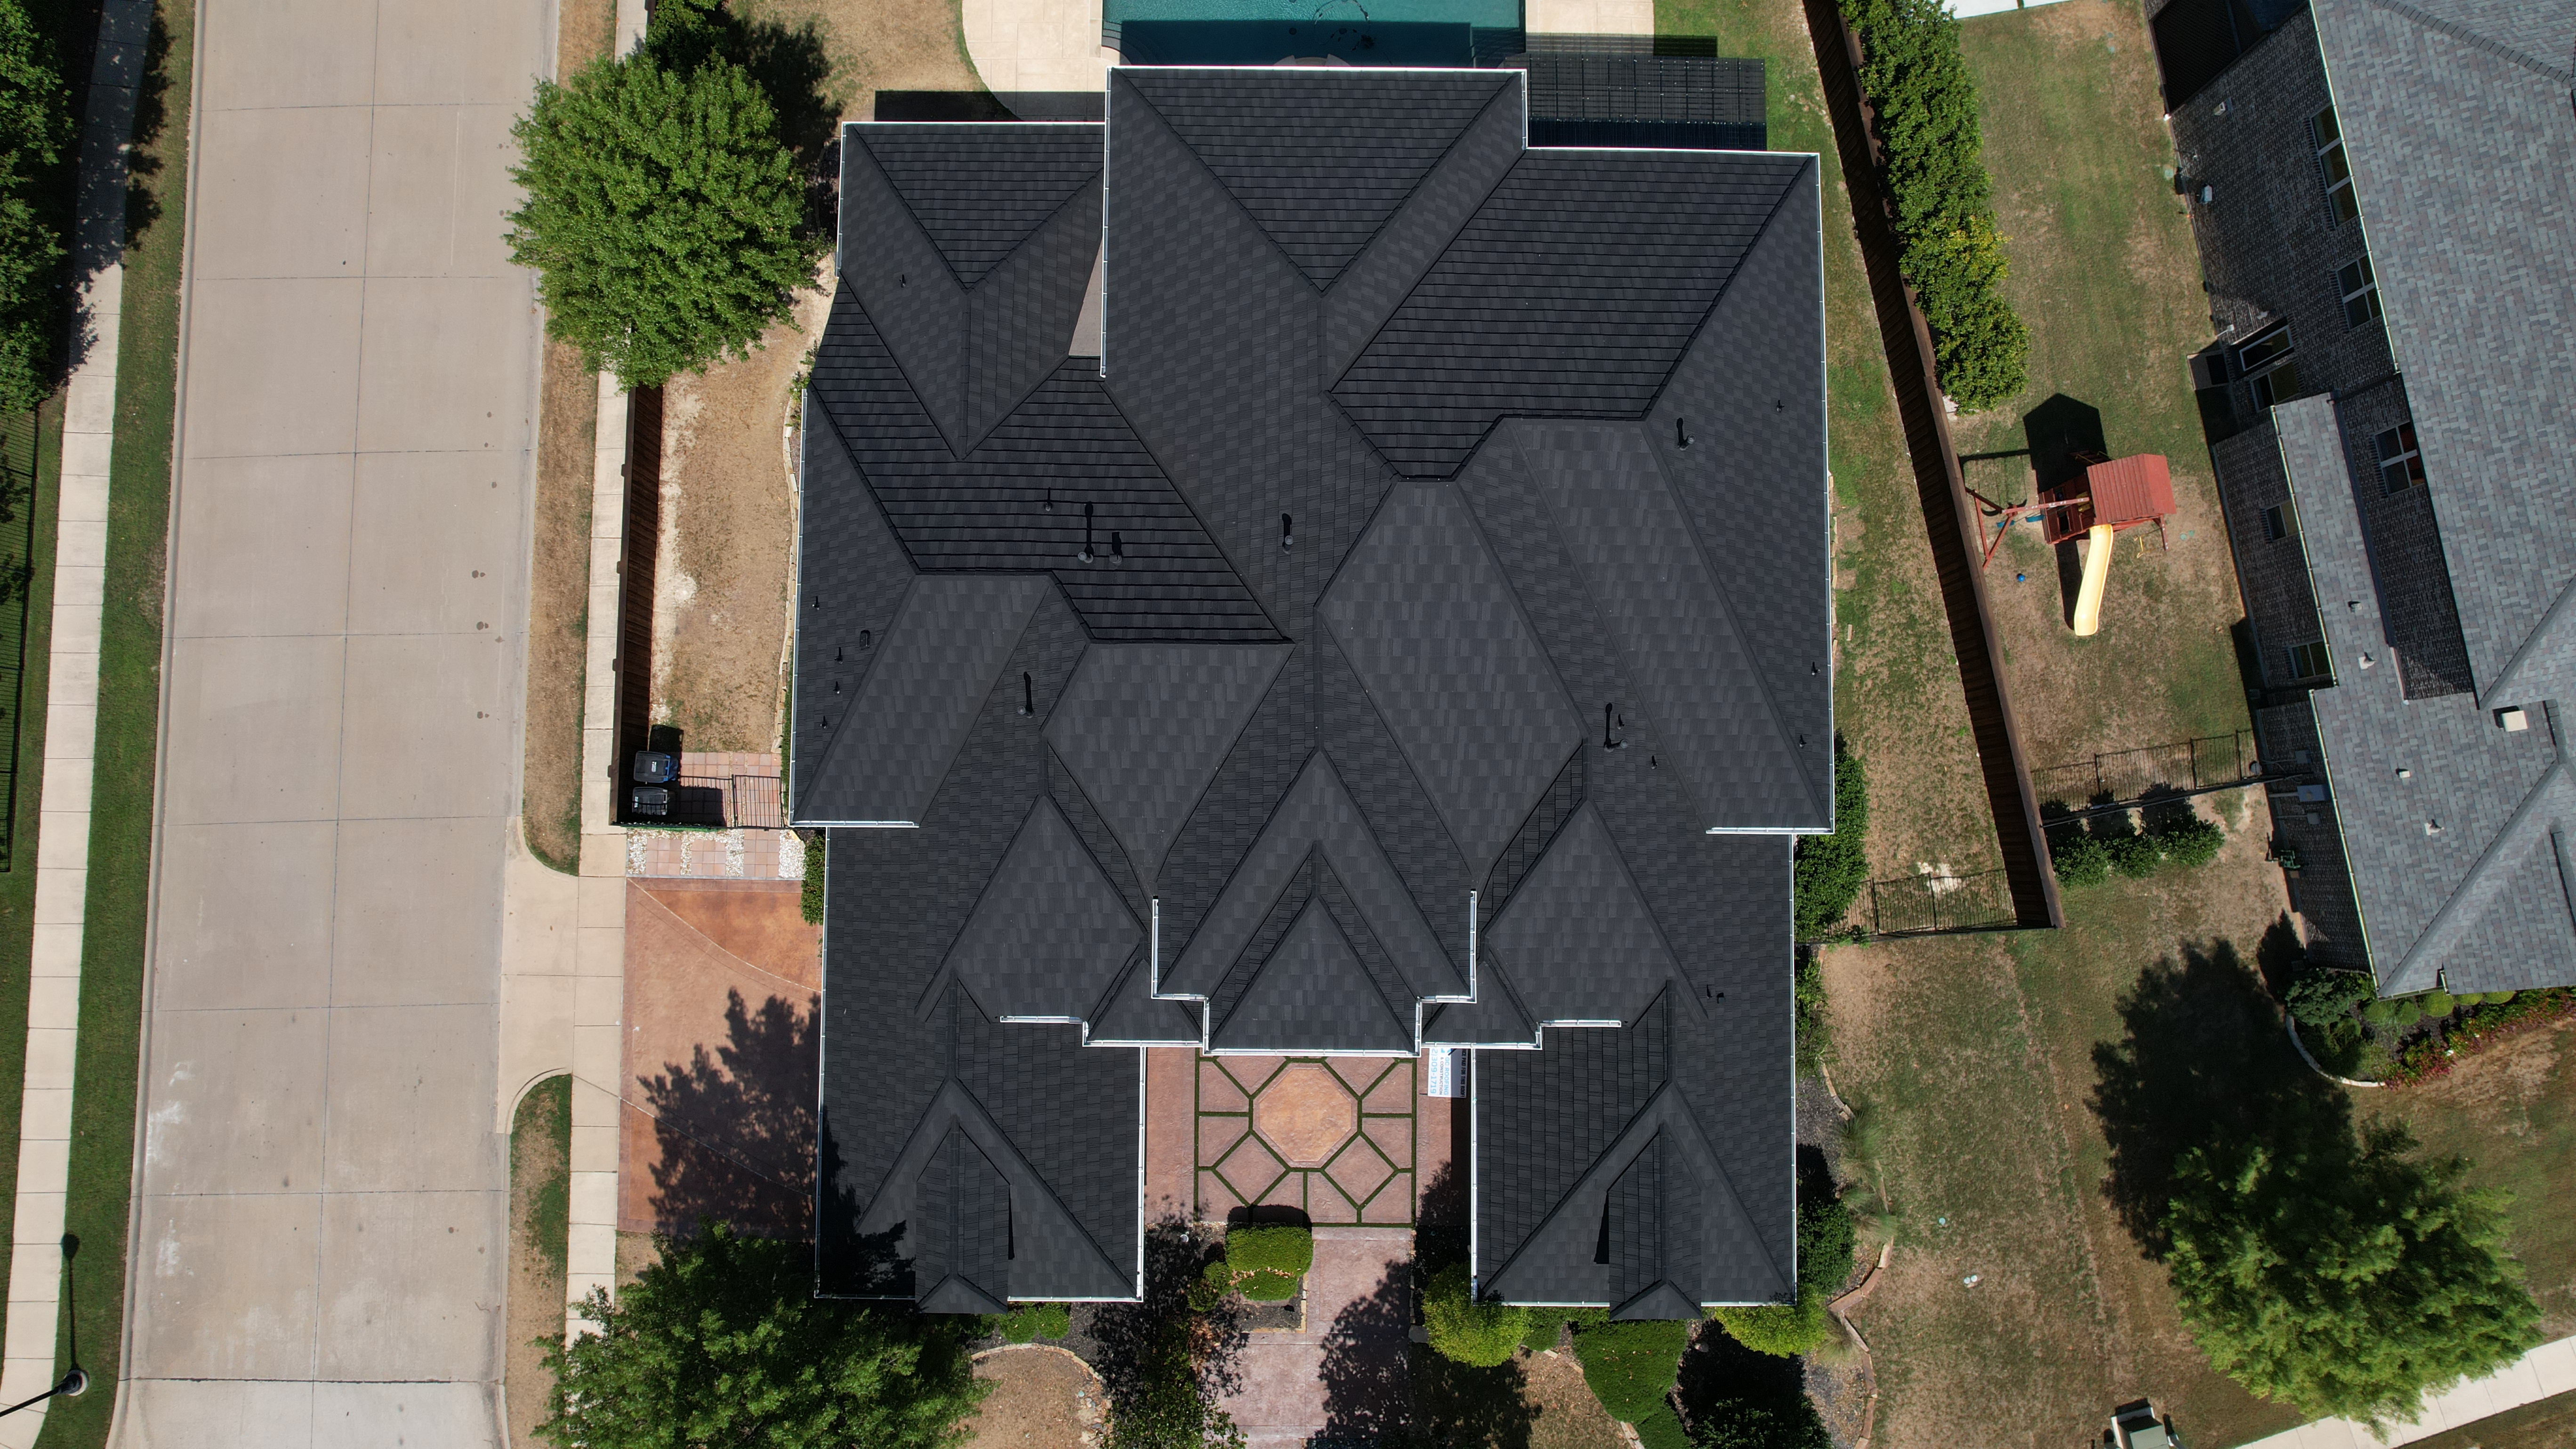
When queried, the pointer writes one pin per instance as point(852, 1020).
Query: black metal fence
point(18, 437)
point(2204, 763)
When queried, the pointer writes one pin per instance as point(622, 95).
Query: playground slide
point(2097, 575)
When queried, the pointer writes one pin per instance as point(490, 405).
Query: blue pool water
point(1260, 32)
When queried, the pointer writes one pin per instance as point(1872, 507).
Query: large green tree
point(2345, 1278)
point(33, 130)
point(665, 217)
point(723, 1345)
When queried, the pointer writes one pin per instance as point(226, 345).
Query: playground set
point(2113, 496)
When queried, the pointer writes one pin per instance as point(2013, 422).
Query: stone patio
point(1331, 1137)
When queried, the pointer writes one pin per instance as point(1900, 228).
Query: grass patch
point(129, 704)
point(543, 1132)
point(2104, 271)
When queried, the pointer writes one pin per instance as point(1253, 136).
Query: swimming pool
point(1355, 32)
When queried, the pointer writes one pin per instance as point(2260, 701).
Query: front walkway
point(1342, 1374)
point(2545, 1372)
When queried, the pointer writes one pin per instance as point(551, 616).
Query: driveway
point(319, 1243)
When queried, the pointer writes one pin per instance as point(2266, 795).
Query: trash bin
point(652, 767)
point(649, 800)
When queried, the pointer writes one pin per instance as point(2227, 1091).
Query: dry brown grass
point(1569, 1417)
point(559, 548)
point(1975, 1055)
point(539, 1155)
point(874, 45)
point(728, 538)
point(1038, 1400)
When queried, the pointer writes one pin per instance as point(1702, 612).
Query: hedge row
point(2480, 1027)
point(37, 124)
point(2083, 858)
point(1831, 869)
point(1913, 72)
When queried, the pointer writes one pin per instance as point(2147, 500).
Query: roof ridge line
point(1761, 234)
point(963, 1105)
point(2448, 922)
point(1446, 151)
point(2472, 39)
point(894, 359)
point(1413, 1002)
point(1193, 153)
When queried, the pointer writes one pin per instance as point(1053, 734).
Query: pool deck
point(1054, 45)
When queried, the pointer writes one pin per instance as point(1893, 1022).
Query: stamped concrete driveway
point(318, 1256)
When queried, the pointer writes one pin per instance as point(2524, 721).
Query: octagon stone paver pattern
point(1305, 1115)
point(1331, 1137)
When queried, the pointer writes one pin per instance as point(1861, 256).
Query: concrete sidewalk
point(320, 1232)
point(2545, 1372)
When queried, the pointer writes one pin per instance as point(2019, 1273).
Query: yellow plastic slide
point(2097, 574)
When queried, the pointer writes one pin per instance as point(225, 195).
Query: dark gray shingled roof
point(2455, 863)
point(1253, 776)
point(2456, 118)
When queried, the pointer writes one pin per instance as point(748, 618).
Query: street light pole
point(74, 1384)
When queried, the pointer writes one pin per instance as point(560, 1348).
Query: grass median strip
point(129, 712)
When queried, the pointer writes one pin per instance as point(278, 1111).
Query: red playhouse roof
point(2130, 490)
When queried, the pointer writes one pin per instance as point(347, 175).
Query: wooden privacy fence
point(1950, 521)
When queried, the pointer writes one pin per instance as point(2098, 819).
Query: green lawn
point(1896, 690)
point(2104, 271)
point(129, 705)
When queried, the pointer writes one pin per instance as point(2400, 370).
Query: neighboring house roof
point(1412, 631)
point(2456, 117)
point(2453, 828)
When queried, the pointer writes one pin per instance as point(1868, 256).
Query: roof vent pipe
point(1028, 693)
point(1287, 532)
point(1681, 433)
point(1117, 546)
point(1611, 724)
point(1087, 555)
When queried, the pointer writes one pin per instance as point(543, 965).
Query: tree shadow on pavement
point(735, 1127)
point(1366, 1388)
point(2202, 1063)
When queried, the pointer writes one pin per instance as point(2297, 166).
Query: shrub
point(2321, 997)
point(2442, 1003)
point(2134, 856)
point(2405, 1011)
point(2381, 1014)
point(2079, 858)
point(1264, 1261)
point(1808, 992)
point(665, 217)
point(2498, 998)
point(32, 298)
point(1824, 1261)
point(2193, 840)
point(1947, 246)
point(816, 844)
point(1477, 1334)
point(1027, 1322)
point(1830, 870)
point(1632, 1366)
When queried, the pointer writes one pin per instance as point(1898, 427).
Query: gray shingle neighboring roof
point(2459, 900)
point(2457, 121)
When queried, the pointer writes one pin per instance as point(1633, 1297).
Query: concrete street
point(320, 1244)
